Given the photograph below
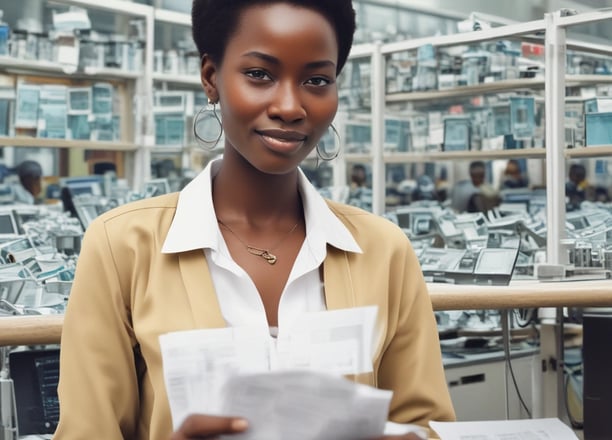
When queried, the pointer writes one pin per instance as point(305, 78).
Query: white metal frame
point(549, 400)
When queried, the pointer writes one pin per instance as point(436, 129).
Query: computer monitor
point(457, 133)
point(598, 128)
point(23, 215)
point(35, 375)
point(80, 100)
point(8, 225)
point(87, 211)
point(156, 187)
point(83, 185)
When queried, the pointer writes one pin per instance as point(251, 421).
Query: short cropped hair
point(477, 165)
point(29, 169)
point(215, 21)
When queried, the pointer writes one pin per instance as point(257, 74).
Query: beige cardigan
point(126, 293)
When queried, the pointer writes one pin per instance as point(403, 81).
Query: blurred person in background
point(513, 176)
point(29, 186)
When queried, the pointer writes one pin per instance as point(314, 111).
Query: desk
point(46, 329)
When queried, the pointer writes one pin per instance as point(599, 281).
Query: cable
point(524, 317)
point(506, 340)
point(569, 373)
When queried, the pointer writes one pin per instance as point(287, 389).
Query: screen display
point(496, 261)
point(35, 374)
point(7, 225)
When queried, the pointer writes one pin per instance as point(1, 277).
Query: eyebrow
point(273, 60)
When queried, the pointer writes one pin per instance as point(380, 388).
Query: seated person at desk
point(29, 186)
point(207, 257)
point(474, 195)
point(513, 177)
point(576, 186)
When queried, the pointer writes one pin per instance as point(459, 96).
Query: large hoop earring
point(327, 147)
point(208, 120)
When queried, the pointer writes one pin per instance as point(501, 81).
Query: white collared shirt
point(195, 227)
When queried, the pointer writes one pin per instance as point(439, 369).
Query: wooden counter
point(33, 330)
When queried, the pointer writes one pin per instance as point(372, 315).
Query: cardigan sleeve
point(98, 385)
point(411, 366)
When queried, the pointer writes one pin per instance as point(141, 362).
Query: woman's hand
point(200, 426)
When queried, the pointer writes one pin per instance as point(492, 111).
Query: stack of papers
point(526, 429)
point(286, 387)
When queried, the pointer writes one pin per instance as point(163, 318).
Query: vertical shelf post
point(378, 88)
point(144, 127)
point(555, 138)
point(551, 333)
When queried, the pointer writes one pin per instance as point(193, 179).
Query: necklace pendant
point(263, 253)
point(270, 258)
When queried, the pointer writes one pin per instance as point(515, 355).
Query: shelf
point(185, 80)
point(585, 80)
point(168, 149)
point(23, 141)
point(498, 33)
point(464, 155)
point(18, 65)
point(121, 7)
point(468, 91)
point(109, 73)
point(356, 157)
point(592, 151)
point(172, 17)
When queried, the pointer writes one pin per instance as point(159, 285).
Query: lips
point(282, 140)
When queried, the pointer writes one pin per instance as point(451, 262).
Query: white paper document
point(524, 429)
point(218, 372)
point(305, 405)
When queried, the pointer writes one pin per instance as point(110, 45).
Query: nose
point(287, 104)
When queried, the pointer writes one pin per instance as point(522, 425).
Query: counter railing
point(46, 329)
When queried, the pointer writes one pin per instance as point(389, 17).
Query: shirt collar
point(194, 225)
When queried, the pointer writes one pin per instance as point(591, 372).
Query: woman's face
point(277, 85)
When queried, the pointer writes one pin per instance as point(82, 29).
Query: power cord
point(570, 372)
point(506, 344)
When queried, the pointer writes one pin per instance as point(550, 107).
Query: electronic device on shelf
point(156, 187)
point(457, 133)
point(83, 185)
point(489, 266)
point(598, 129)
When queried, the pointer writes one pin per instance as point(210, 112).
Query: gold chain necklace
point(266, 254)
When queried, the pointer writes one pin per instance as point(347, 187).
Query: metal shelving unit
point(24, 141)
point(467, 91)
point(550, 32)
point(593, 151)
point(181, 80)
point(463, 155)
point(129, 85)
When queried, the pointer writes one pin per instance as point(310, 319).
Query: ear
point(208, 76)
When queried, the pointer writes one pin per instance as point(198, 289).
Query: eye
point(258, 74)
point(319, 81)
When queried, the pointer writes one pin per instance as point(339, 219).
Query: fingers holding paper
point(410, 436)
point(201, 426)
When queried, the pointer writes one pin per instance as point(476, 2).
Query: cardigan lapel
point(339, 293)
point(201, 293)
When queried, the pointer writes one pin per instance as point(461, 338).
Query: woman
point(249, 240)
